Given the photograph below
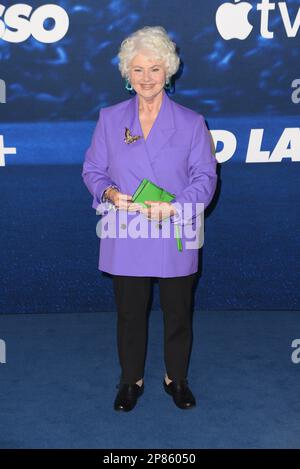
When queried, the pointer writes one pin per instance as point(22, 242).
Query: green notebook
point(147, 190)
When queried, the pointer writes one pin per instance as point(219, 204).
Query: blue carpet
point(58, 385)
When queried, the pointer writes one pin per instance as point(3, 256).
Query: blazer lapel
point(162, 129)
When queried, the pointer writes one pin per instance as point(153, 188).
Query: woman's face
point(147, 74)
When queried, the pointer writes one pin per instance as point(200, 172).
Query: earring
point(128, 86)
point(168, 85)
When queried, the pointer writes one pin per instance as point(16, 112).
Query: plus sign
point(5, 151)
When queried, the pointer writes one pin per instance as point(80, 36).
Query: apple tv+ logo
point(233, 23)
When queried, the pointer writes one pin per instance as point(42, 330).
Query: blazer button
point(123, 226)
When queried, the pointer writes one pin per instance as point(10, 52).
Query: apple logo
point(232, 20)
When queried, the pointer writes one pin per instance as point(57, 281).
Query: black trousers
point(132, 296)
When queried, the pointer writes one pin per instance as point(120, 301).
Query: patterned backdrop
point(72, 78)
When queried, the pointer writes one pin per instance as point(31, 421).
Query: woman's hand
point(122, 201)
point(158, 210)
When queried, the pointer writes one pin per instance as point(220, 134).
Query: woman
point(150, 136)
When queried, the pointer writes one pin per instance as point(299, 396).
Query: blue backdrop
point(72, 78)
point(49, 247)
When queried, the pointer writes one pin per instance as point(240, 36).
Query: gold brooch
point(130, 138)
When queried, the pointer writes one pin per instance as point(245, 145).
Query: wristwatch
point(106, 199)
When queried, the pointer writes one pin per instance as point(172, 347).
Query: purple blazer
point(178, 156)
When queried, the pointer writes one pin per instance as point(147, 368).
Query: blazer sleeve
point(202, 165)
point(94, 173)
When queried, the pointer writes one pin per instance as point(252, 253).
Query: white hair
point(156, 40)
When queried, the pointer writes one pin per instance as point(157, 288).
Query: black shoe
point(127, 396)
point(181, 393)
